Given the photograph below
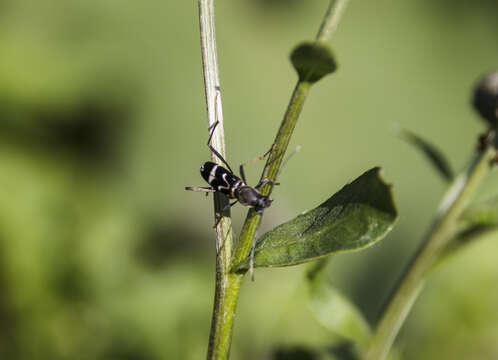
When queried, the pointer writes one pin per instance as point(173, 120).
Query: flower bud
point(486, 98)
point(312, 61)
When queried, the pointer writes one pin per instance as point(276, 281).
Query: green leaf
point(312, 61)
point(463, 239)
point(334, 311)
point(476, 222)
point(485, 213)
point(357, 216)
point(433, 154)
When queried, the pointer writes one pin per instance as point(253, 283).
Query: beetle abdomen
point(220, 178)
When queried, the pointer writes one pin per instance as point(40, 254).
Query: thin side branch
point(439, 236)
point(331, 20)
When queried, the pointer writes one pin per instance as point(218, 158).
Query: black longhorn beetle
point(225, 181)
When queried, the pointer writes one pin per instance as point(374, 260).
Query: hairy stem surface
point(224, 303)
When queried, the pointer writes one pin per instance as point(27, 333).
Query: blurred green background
point(103, 255)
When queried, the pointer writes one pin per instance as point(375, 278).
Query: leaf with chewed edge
point(357, 216)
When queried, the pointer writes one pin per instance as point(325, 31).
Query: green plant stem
point(331, 19)
point(224, 306)
point(226, 298)
point(438, 237)
point(228, 282)
point(271, 168)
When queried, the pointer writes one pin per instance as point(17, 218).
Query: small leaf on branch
point(357, 216)
point(312, 61)
point(485, 213)
point(462, 240)
point(476, 222)
point(433, 154)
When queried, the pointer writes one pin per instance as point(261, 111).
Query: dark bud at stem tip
point(486, 98)
point(312, 61)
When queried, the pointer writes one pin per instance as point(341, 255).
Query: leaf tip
point(380, 174)
point(357, 216)
point(432, 153)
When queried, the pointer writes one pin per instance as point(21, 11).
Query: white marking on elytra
point(224, 177)
point(212, 174)
point(235, 187)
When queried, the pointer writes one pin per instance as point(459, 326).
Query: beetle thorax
point(249, 196)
